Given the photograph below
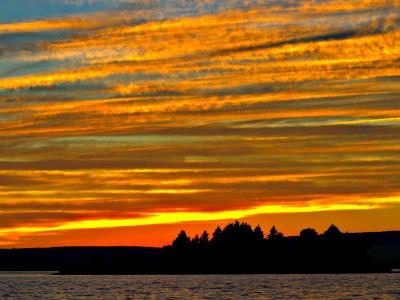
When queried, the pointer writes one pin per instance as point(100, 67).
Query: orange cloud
point(143, 118)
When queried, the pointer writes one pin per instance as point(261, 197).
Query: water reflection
point(344, 286)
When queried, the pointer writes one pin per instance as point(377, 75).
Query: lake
point(16, 285)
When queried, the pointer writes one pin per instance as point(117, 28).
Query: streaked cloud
point(133, 113)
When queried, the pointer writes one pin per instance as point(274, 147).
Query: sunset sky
point(124, 121)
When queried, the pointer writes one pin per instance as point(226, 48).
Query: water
point(354, 286)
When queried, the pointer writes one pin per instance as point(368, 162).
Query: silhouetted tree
point(258, 233)
point(332, 232)
point(196, 240)
point(204, 237)
point(274, 234)
point(217, 235)
point(182, 241)
point(237, 235)
point(308, 234)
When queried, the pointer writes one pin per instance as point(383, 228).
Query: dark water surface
point(350, 286)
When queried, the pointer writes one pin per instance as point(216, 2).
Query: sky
point(124, 121)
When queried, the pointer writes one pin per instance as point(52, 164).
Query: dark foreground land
point(235, 249)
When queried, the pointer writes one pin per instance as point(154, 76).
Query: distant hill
point(384, 247)
point(57, 258)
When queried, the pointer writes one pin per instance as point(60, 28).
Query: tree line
point(238, 248)
point(242, 232)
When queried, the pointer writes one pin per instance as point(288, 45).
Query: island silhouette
point(238, 248)
point(235, 249)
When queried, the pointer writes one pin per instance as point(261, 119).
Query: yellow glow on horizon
point(178, 217)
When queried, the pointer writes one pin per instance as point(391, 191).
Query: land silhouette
point(236, 248)
point(240, 249)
